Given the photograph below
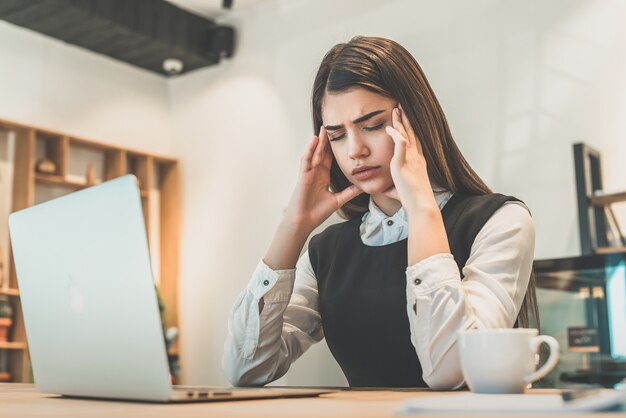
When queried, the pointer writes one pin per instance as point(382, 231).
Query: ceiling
point(144, 33)
point(213, 8)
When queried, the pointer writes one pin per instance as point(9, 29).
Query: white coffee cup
point(502, 360)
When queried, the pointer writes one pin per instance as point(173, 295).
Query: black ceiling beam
point(140, 32)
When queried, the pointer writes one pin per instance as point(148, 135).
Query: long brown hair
point(386, 68)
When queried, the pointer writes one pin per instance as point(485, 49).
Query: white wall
point(48, 83)
point(520, 81)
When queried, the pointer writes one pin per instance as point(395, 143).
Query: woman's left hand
point(408, 167)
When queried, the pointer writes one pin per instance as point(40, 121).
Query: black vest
point(362, 293)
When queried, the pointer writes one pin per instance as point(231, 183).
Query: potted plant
point(5, 374)
point(6, 317)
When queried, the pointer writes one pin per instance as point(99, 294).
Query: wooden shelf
point(609, 250)
point(62, 181)
point(607, 199)
point(11, 345)
point(10, 292)
point(73, 161)
point(58, 181)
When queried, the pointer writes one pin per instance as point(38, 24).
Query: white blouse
point(259, 348)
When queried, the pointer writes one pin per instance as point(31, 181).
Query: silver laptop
point(89, 300)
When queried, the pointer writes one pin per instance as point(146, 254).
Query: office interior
point(520, 81)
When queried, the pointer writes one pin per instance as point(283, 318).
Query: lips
point(365, 172)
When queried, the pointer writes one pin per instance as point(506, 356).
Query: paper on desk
point(472, 402)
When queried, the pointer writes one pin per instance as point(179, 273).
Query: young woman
point(427, 249)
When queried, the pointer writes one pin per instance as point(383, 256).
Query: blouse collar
point(379, 229)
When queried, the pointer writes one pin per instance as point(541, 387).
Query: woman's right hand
point(312, 202)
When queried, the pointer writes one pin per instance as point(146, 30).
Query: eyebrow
point(357, 120)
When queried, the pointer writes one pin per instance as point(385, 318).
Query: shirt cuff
point(432, 273)
point(271, 285)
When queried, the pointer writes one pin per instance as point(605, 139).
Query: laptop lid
point(88, 295)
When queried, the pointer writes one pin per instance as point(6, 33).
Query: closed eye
point(366, 128)
point(375, 127)
point(336, 138)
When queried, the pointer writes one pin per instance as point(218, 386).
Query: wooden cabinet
point(37, 165)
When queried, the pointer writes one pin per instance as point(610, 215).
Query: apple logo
point(77, 300)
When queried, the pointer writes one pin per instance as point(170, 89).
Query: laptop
point(89, 301)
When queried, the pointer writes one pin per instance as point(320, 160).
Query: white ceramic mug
point(502, 360)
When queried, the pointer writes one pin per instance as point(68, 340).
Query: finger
point(320, 150)
point(409, 130)
point(407, 124)
point(397, 122)
point(328, 157)
point(348, 194)
point(418, 143)
point(305, 161)
point(400, 142)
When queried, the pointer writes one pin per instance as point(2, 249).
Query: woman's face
point(355, 121)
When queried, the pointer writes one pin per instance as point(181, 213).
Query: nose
point(357, 148)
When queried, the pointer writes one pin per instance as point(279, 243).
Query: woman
point(427, 250)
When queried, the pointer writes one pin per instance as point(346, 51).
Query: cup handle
point(535, 343)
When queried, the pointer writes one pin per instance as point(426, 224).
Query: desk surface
point(19, 400)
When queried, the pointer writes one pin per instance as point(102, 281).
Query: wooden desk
point(20, 400)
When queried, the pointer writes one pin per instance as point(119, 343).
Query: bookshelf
point(37, 164)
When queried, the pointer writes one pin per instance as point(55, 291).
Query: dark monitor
point(582, 303)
